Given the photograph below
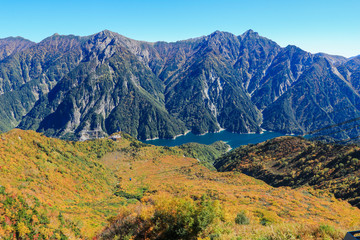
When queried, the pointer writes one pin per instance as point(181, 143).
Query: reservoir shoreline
point(233, 139)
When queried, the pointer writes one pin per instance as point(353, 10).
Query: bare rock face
point(110, 90)
point(81, 87)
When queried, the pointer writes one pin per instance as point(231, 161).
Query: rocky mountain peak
point(57, 36)
point(60, 43)
point(12, 45)
point(252, 40)
point(106, 33)
point(108, 37)
point(221, 34)
point(17, 38)
point(292, 49)
point(217, 33)
point(354, 63)
point(250, 34)
point(224, 43)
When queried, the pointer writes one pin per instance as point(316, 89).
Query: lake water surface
point(233, 139)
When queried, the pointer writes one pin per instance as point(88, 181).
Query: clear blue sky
point(331, 26)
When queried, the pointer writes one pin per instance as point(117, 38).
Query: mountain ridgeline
point(84, 87)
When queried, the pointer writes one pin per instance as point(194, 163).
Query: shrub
point(266, 217)
point(167, 218)
point(2, 190)
point(327, 230)
point(355, 161)
point(242, 219)
point(127, 195)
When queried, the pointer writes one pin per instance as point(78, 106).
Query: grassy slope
point(166, 176)
point(87, 182)
point(206, 154)
point(64, 176)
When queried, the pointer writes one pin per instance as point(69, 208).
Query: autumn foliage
point(53, 189)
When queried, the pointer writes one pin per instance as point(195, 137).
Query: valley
point(107, 137)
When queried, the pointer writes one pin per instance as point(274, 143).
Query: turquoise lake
point(233, 139)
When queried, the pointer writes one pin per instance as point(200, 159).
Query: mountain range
point(84, 87)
